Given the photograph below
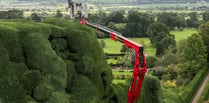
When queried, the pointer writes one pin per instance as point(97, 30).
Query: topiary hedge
point(190, 91)
point(52, 62)
point(84, 90)
point(152, 90)
point(205, 94)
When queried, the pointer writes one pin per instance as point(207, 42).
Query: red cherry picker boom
point(140, 65)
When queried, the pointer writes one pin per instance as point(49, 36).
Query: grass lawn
point(118, 74)
point(113, 61)
point(117, 81)
point(115, 47)
point(183, 34)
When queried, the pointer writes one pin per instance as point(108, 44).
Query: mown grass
point(111, 61)
point(117, 81)
point(117, 76)
point(127, 74)
point(179, 35)
point(115, 47)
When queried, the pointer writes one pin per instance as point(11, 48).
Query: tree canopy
point(160, 37)
point(194, 57)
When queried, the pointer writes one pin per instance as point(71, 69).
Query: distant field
point(183, 34)
point(115, 47)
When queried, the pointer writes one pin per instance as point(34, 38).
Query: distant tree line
point(155, 26)
point(11, 14)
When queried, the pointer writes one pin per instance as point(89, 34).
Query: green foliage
point(158, 71)
point(170, 72)
point(70, 73)
point(30, 80)
point(121, 91)
point(57, 22)
point(32, 27)
point(103, 44)
point(205, 16)
point(99, 17)
point(180, 48)
point(168, 58)
point(190, 90)
point(152, 90)
point(40, 56)
point(35, 17)
point(205, 94)
point(43, 91)
point(160, 37)
point(59, 45)
point(137, 24)
point(169, 96)
point(58, 14)
point(194, 57)
point(204, 32)
point(82, 88)
point(193, 22)
point(85, 65)
point(117, 16)
point(10, 39)
point(57, 32)
point(157, 31)
point(172, 20)
point(11, 14)
point(90, 55)
point(58, 62)
point(10, 88)
point(150, 61)
point(60, 97)
point(4, 56)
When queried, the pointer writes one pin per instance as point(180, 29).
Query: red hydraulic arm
point(140, 65)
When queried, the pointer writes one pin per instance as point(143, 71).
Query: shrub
point(169, 96)
point(59, 45)
point(43, 91)
point(88, 49)
point(82, 88)
point(4, 55)
point(56, 31)
point(121, 93)
point(10, 88)
point(41, 56)
point(150, 61)
point(193, 86)
point(158, 71)
point(30, 79)
point(11, 41)
point(85, 65)
point(57, 22)
point(32, 27)
point(205, 94)
point(38, 74)
point(82, 38)
point(58, 97)
point(70, 73)
point(152, 89)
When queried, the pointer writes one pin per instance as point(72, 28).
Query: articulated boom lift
point(140, 65)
